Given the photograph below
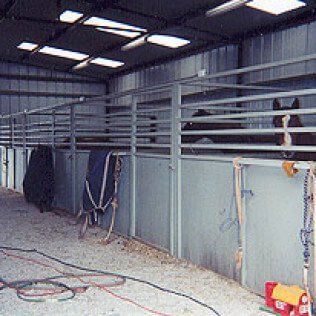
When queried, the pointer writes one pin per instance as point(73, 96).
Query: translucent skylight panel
point(63, 53)
point(276, 6)
point(69, 16)
point(167, 40)
point(106, 62)
point(27, 46)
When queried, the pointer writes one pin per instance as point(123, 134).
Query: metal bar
point(175, 175)
point(236, 86)
point(212, 118)
point(143, 122)
point(73, 157)
point(162, 109)
point(153, 134)
point(251, 131)
point(149, 155)
point(252, 147)
point(258, 97)
point(224, 108)
point(53, 132)
point(153, 145)
point(103, 144)
point(301, 165)
point(133, 175)
point(24, 152)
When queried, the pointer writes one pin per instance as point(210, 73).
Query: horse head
point(191, 126)
point(286, 121)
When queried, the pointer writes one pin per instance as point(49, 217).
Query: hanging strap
point(100, 205)
point(238, 194)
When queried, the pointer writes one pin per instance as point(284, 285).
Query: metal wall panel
point(152, 201)
point(274, 217)
point(15, 103)
point(209, 227)
point(19, 172)
point(10, 166)
point(62, 180)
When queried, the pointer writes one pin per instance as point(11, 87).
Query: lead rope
point(238, 185)
point(307, 230)
point(114, 203)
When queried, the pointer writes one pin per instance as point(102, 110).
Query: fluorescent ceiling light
point(226, 7)
point(277, 6)
point(167, 40)
point(106, 62)
point(118, 28)
point(63, 53)
point(69, 16)
point(130, 34)
point(135, 43)
point(27, 46)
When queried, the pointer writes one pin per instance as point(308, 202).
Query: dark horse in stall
point(297, 139)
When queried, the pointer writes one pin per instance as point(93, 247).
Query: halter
point(287, 138)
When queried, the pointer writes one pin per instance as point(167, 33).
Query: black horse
point(296, 139)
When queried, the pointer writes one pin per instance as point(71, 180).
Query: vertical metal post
point(73, 156)
point(175, 174)
point(13, 151)
point(243, 228)
point(133, 173)
point(12, 131)
point(53, 129)
point(24, 153)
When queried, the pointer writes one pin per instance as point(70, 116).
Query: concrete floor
point(22, 225)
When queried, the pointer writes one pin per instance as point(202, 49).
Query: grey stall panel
point(81, 170)
point(3, 167)
point(19, 172)
point(62, 180)
point(273, 222)
point(152, 201)
point(11, 173)
point(209, 216)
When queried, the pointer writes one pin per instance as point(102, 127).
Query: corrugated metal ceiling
point(37, 21)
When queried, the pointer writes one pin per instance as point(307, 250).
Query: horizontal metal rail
point(247, 147)
point(258, 97)
point(251, 131)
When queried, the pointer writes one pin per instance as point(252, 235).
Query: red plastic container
point(269, 289)
point(303, 308)
point(282, 308)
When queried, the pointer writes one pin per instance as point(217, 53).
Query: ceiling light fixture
point(226, 7)
point(59, 52)
point(136, 43)
point(106, 62)
point(130, 34)
point(27, 46)
point(276, 7)
point(167, 40)
point(108, 24)
point(69, 16)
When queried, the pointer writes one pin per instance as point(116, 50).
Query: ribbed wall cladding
point(51, 92)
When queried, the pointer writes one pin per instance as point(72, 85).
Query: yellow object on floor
point(288, 294)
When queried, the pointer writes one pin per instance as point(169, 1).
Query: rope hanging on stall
point(238, 193)
point(308, 218)
point(113, 200)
